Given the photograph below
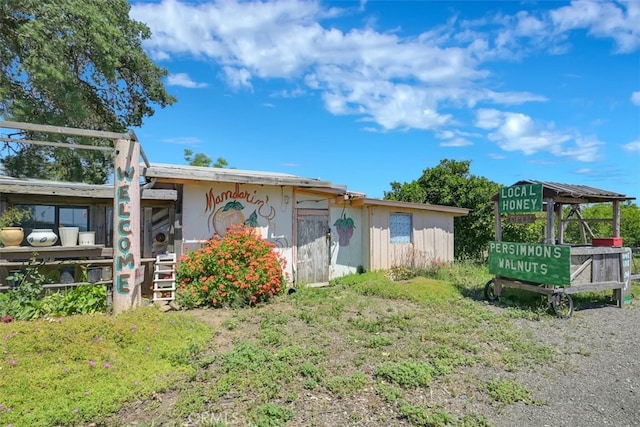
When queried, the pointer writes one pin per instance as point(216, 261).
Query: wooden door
point(313, 243)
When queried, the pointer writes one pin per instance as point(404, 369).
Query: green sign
point(521, 198)
point(531, 262)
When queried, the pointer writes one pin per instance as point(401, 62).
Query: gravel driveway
point(596, 381)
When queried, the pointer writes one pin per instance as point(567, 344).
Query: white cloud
point(635, 98)
point(496, 156)
point(456, 142)
point(618, 21)
point(238, 77)
point(518, 132)
point(183, 140)
point(583, 171)
point(396, 82)
point(183, 79)
point(633, 146)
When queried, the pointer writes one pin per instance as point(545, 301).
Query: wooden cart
point(553, 268)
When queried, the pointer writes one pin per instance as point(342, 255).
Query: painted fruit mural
point(225, 217)
point(345, 228)
point(231, 214)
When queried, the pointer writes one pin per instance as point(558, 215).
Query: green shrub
point(238, 269)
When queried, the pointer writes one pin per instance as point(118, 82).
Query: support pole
point(126, 226)
point(551, 230)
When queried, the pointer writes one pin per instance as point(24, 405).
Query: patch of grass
point(80, 368)
point(508, 392)
point(272, 415)
point(364, 333)
point(389, 392)
point(406, 373)
point(425, 415)
point(379, 341)
point(345, 386)
point(420, 290)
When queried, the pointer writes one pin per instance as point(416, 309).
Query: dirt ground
point(595, 382)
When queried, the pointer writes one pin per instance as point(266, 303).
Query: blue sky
point(366, 93)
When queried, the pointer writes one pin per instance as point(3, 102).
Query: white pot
point(69, 236)
point(42, 237)
point(87, 238)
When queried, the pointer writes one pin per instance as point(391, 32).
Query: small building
point(324, 231)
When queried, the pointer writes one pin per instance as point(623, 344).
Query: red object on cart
point(607, 241)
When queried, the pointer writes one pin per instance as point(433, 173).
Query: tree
point(629, 223)
point(451, 184)
point(76, 63)
point(201, 159)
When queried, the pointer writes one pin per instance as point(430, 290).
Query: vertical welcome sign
point(126, 225)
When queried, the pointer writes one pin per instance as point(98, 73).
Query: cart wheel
point(489, 291)
point(562, 304)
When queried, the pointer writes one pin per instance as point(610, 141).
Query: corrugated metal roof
point(572, 191)
point(198, 173)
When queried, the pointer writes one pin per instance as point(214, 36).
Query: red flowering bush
point(237, 269)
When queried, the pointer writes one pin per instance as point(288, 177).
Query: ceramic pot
point(42, 237)
point(11, 236)
point(69, 236)
point(87, 238)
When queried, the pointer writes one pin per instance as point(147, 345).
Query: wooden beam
point(550, 237)
point(58, 144)
point(560, 232)
point(571, 201)
point(126, 226)
point(65, 130)
point(86, 191)
point(616, 218)
point(496, 212)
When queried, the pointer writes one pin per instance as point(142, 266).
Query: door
point(313, 243)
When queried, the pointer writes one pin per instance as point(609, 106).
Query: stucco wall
point(268, 208)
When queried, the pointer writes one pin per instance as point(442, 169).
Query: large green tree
point(451, 183)
point(76, 63)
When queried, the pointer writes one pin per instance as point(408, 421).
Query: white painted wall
point(346, 251)
point(270, 207)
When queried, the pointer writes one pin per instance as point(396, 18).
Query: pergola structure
point(126, 200)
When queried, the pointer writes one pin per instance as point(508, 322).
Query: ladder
point(164, 277)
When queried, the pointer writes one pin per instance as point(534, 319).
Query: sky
point(366, 93)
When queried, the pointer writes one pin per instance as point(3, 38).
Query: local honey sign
point(521, 198)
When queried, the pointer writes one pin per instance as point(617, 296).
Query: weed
point(379, 341)
point(345, 386)
point(406, 373)
point(425, 415)
point(389, 392)
point(508, 392)
point(272, 415)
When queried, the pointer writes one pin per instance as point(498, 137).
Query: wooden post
point(126, 225)
point(559, 223)
point(496, 211)
point(616, 218)
point(551, 229)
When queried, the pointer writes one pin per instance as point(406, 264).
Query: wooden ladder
point(164, 277)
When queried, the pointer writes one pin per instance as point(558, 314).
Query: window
point(401, 228)
point(44, 216)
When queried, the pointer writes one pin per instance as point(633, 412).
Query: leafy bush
point(28, 300)
point(238, 269)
